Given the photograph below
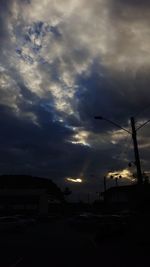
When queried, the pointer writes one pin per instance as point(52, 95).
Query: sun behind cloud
point(74, 180)
point(121, 174)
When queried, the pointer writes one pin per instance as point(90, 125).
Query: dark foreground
point(57, 243)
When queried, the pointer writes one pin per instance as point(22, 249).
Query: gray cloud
point(62, 63)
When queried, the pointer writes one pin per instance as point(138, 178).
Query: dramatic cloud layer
point(62, 63)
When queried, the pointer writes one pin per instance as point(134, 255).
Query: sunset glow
point(74, 180)
point(125, 174)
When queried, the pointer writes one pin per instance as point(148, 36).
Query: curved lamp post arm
point(114, 123)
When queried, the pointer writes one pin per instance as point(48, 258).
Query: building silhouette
point(27, 194)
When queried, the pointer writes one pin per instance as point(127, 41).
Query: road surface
point(56, 244)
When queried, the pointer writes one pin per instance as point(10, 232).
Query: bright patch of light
point(74, 180)
point(61, 120)
point(118, 136)
point(80, 143)
point(80, 137)
point(124, 174)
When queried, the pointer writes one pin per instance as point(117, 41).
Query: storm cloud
point(62, 63)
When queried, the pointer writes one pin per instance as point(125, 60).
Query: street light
point(133, 133)
point(116, 177)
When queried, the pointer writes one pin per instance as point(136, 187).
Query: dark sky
point(62, 63)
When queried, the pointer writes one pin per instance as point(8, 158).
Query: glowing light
point(74, 180)
point(125, 174)
point(79, 143)
point(80, 137)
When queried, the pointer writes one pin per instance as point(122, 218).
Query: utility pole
point(136, 152)
point(116, 180)
point(135, 143)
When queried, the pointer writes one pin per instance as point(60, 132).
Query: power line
point(124, 149)
point(133, 133)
